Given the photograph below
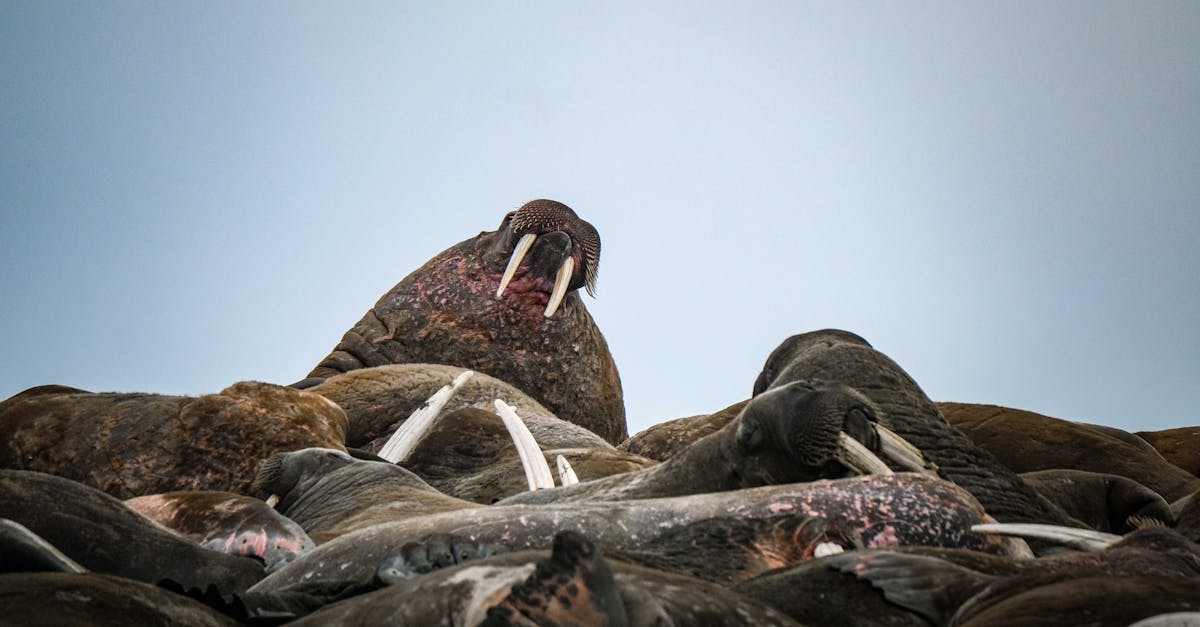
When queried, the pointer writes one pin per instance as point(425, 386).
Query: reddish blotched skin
point(226, 522)
point(882, 510)
point(447, 312)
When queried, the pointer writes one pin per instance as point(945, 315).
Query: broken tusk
point(537, 471)
point(518, 254)
point(825, 549)
point(1074, 537)
point(853, 455)
point(561, 280)
point(408, 435)
point(272, 501)
point(566, 474)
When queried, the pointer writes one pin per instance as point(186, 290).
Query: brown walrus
point(133, 444)
point(454, 310)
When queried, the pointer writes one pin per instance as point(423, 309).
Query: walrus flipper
point(929, 586)
point(574, 586)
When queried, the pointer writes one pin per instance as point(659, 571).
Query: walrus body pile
point(838, 493)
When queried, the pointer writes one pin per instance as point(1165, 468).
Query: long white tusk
point(566, 474)
point(518, 254)
point(1086, 539)
point(561, 280)
point(853, 455)
point(897, 450)
point(408, 435)
point(537, 471)
point(272, 501)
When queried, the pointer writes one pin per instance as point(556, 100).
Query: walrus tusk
point(898, 451)
point(561, 280)
point(827, 548)
point(408, 435)
point(1073, 537)
point(853, 455)
point(537, 471)
point(566, 474)
point(272, 501)
point(518, 254)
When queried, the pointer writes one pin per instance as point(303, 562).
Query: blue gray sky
point(1003, 197)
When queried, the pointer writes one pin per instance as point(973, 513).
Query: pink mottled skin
point(919, 510)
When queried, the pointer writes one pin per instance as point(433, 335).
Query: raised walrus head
point(505, 303)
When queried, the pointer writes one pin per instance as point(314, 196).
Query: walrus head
point(544, 249)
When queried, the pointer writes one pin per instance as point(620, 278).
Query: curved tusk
point(408, 435)
point(853, 455)
point(1085, 539)
point(518, 254)
point(537, 471)
point(561, 280)
point(566, 474)
point(902, 454)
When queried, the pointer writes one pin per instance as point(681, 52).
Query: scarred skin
point(132, 444)
point(573, 585)
point(227, 522)
point(881, 511)
point(447, 312)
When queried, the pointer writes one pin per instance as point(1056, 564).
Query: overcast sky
point(1003, 197)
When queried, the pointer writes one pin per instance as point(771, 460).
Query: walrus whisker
point(561, 280)
point(537, 471)
point(1073, 537)
point(853, 455)
point(518, 254)
point(898, 451)
point(566, 473)
point(408, 435)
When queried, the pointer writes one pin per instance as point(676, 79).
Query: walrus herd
point(407, 480)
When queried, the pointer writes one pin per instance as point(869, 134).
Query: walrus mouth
point(543, 217)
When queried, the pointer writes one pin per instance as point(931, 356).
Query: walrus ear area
point(574, 586)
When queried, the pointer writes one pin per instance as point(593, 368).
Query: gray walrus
point(574, 585)
point(454, 310)
point(101, 534)
point(882, 510)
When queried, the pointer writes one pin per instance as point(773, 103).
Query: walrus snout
point(547, 239)
point(823, 430)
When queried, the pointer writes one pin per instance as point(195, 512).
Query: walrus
point(574, 585)
point(92, 599)
point(841, 356)
point(904, 508)
point(792, 433)
point(379, 398)
point(1102, 501)
point(227, 522)
point(101, 534)
point(468, 454)
point(1026, 441)
point(133, 444)
point(1180, 446)
point(504, 303)
point(664, 439)
point(1153, 561)
point(329, 493)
